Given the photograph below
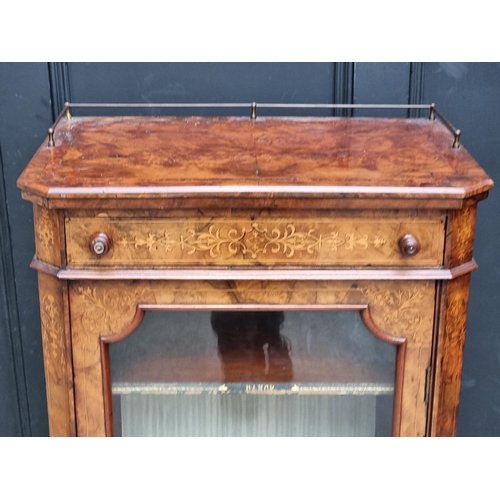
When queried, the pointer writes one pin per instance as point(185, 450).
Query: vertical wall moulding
point(9, 322)
point(59, 86)
point(343, 86)
point(416, 88)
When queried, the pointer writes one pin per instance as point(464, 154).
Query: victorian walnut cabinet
point(253, 276)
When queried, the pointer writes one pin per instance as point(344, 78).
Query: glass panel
point(252, 373)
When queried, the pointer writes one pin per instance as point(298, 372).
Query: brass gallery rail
point(433, 111)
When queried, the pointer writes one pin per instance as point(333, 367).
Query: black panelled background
point(31, 94)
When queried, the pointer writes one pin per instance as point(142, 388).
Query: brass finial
point(456, 142)
point(51, 142)
point(68, 111)
point(254, 111)
point(432, 115)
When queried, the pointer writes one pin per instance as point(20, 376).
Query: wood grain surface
point(148, 157)
point(452, 321)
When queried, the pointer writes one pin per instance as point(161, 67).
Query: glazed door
point(251, 358)
point(253, 373)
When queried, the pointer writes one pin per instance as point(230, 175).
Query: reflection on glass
point(251, 347)
point(252, 373)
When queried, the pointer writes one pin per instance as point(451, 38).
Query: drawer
point(212, 241)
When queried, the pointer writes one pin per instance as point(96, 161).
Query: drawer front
point(244, 242)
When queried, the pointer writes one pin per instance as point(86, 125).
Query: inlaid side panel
point(449, 357)
point(53, 295)
point(452, 322)
point(102, 309)
point(48, 235)
point(247, 241)
point(460, 235)
point(57, 356)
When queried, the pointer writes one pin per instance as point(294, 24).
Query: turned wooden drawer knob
point(100, 244)
point(409, 245)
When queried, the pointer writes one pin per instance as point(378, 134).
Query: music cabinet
point(261, 276)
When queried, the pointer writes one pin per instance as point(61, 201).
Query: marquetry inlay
point(253, 240)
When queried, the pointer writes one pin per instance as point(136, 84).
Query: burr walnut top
point(192, 157)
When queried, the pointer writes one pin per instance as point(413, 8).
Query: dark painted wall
point(31, 94)
point(24, 114)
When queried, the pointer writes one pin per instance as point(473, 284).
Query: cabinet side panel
point(449, 357)
point(57, 356)
point(460, 235)
point(452, 323)
point(48, 236)
point(54, 313)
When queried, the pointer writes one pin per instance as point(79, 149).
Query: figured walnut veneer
point(266, 214)
point(150, 159)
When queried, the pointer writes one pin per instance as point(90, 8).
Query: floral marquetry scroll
point(253, 241)
point(401, 306)
point(109, 309)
